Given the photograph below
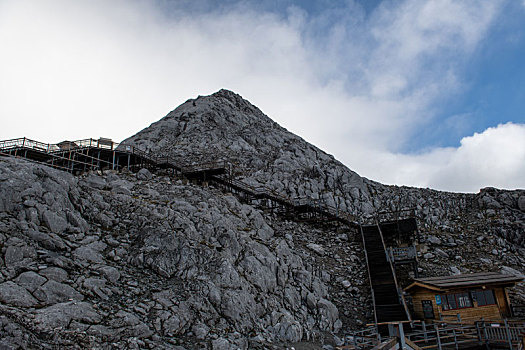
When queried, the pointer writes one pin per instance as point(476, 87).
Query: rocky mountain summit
point(150, 260)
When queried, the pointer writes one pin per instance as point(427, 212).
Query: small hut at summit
point(468, 297)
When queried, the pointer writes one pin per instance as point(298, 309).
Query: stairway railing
point(392, 268)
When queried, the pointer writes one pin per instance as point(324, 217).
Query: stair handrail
point(369, 274)
point(400, 294)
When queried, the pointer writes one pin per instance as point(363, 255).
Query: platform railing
point(24, 142)
point(510, 333)
point(401, 253)
point(204, 166)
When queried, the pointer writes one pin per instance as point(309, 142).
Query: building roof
point(443, 283)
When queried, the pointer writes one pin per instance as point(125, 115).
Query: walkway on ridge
point(97, 154)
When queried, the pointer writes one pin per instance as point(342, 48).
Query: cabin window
point(455, 301)
point(485, 297)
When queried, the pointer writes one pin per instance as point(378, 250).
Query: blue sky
point(494, 89)
point(412, 92)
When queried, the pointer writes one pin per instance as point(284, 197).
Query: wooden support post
point(72, 161)
point(85, 162)
point(438, 339)
point(69, 160)
point(455, 338)
point(98, 161)
point(113, 161)
point(425, 334)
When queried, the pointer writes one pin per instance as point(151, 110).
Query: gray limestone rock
point(200, 330)
point(49, 240)
point(110, 273)
point(329, 315)
point(54, 222)
point(60, 315)
point(53, 292)
point(316, 248)
point(441, 253)
point(288, 329)
point(95, 181)
point(511, 271)
point(434, 240)
point(15, 295)
point(521, 203)
point(144, 174)
point(30, 280)
point(13, 255)
point(220, 344)
point(88, 254)
point(54, 273)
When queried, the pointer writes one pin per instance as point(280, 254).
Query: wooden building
point(469, 296)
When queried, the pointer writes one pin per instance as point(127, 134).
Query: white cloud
point(495, 158)
point(354, 85)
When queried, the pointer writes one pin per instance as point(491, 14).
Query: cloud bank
point(359, 85)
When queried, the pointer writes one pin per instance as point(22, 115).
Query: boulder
point(54, 222)
point(60, 315)
point(144, 174)
point(521, 203)
point(15, 295)
point(30, 280)
point(53, 292)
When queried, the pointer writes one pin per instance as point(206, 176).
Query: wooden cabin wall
point(488, 312)
point(418, 306)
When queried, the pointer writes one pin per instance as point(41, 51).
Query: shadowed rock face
point(148, 261)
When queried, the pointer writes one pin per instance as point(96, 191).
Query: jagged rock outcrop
point(148, 260)
point(162, 261)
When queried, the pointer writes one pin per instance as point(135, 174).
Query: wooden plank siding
point(424, 294)
point(488, 312)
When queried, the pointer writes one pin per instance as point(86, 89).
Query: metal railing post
point(401, 335)
point(485, 333)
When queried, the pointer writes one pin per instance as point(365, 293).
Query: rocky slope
point(151, 261)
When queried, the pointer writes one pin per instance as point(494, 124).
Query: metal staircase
point(389, 304)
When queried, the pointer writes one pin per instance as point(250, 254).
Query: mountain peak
point(224, 126)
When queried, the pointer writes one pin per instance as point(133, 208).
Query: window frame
point(484, 293)
point(445, 305)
